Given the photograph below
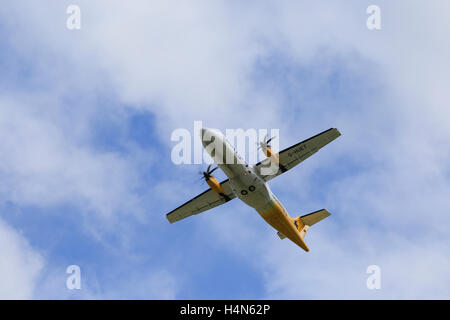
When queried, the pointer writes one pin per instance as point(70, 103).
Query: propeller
point(265, 143)
point(207, 174)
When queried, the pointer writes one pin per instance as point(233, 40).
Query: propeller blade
point(270, 139)
point(213, 170)
point(259, 144)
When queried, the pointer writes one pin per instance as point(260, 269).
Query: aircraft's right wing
point(290, 157)
point(204, 201)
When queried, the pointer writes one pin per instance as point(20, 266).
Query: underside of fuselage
point(249, 187)
point(275, 215)
point(254, 192)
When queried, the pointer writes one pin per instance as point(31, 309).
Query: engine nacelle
point(214, 185)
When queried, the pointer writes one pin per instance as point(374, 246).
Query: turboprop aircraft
point(249, 182)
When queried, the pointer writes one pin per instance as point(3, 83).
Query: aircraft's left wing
point(290, 157)
point(204, 201)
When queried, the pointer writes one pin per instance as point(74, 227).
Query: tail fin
point(304, 222)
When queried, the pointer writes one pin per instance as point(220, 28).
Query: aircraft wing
point(292, 156)
point(204, 201)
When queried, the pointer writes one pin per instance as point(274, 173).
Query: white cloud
point(151, 283)
point(44, 166)
point(20, 265)
point(410, 269)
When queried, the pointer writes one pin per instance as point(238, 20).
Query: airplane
point(249, 182)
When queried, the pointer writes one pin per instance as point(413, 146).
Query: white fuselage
point(245, 182)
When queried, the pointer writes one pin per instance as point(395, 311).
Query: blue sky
point(86, 118)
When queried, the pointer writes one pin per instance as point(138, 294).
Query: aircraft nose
point(203, 132)
point(208, 135)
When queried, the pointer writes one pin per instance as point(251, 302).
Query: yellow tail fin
point(303, 223)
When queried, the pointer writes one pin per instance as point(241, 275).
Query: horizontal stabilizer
point(314, 217)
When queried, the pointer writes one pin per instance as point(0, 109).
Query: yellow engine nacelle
point(217, 187)
point(214, 185)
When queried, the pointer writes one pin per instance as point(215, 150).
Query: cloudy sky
point(86, 175)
